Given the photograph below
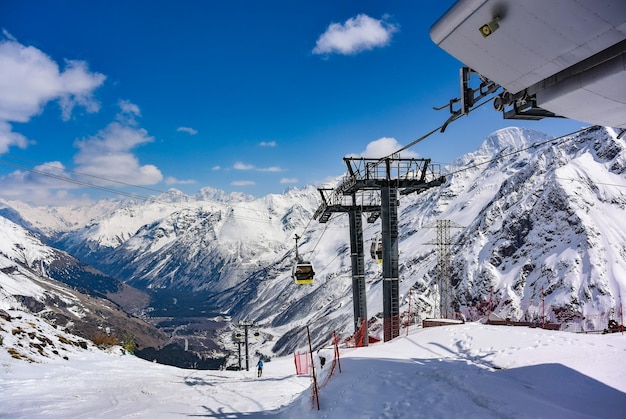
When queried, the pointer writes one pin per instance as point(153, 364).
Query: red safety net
point(358, 338)
point(303, 363)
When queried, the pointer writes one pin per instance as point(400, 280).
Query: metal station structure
point(539, 58)
point(373, 187)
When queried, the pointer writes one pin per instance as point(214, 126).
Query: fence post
point(543, 309)
point(315, 389)
point(408, 321)
point(336, 342)
point(489, 308)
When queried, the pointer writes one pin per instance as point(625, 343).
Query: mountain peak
point(511, 138)
point(208, 193)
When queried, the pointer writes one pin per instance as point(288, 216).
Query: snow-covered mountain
point(536, 213)
point(27, 285)
point(556, 222)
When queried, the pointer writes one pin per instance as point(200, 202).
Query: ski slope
point(469, 371)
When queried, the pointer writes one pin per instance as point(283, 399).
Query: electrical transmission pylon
point(444, 269)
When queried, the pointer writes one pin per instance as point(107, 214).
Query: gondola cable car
point(376, 250)
point(302, 272)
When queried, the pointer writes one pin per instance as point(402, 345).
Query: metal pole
point(245, 326)
point(315, 389)
point(489, 308)
point(389, 221)
point(239, 352)
point(359, 297)
point(543, 309)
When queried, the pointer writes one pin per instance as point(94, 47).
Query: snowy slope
point(52, 220)
point(28, 290)
point(556, 222)
point(469, 371)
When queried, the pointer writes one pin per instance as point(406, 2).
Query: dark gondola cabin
point(303, 273)
point(376, 250)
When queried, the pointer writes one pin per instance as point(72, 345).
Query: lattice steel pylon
point(444, 270)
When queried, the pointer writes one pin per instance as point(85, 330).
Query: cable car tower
point(390, 176)
point(334, 201)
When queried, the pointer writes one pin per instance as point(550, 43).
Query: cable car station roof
point(570, 53)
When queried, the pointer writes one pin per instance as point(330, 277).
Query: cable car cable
point(440, 128)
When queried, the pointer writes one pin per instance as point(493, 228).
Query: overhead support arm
point(519, 105)
point(469, 96)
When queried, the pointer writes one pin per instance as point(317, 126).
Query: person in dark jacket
point(259, 366)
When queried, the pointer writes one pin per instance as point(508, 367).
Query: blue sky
point(245, 96)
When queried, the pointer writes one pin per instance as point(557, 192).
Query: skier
point(259, 366)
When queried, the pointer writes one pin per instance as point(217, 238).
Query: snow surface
point(18, 244)
point(470, 371)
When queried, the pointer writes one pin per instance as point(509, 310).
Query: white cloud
point(8, 35)
point(267, 144)
point(243, 183)
point(241, 166)
point(188, 130)
point(274, 169)
point(357, 34)
point(44, 176)
point(216, 168)
point(8, 138)
point(29, 79)
point(384, 147)
point(170, 180)
point(129, 108)
point(128, 113)
point(108, 154)
point(102, 157)
point(44, 184)
point(289, 180)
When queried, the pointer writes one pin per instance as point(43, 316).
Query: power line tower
point(390, 176)
point(444, 269)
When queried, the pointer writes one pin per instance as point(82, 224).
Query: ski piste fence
point(581, 320)
point(546, 317)
point(307, 364)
